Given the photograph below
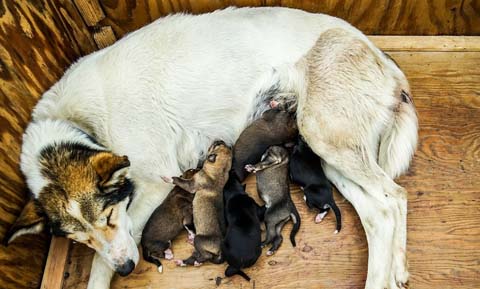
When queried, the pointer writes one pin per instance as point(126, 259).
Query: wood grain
point(57, 260)
point(444, 201)
point(406, 17)
point(38, 41)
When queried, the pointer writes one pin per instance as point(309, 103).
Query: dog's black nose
point(126, 268)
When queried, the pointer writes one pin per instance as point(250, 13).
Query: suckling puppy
point(274, 127)
point(241, 246)
point(273, 188)
point(207, 185)
point(306, 170)
point(166, 222)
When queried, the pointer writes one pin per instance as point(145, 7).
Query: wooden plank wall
point(400, 17)
point(39, 39)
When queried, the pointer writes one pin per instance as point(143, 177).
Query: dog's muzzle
point(126, 268)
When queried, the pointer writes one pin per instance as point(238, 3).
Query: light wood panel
point(402, 17)
point(444, 198)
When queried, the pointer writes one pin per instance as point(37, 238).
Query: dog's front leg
point(100, 275)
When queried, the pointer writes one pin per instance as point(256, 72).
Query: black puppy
point(306, 170)
point(241, 246)
point(274, 127)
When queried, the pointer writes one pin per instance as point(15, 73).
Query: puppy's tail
point(338, 216)
point(296, 224)
point(230, 271)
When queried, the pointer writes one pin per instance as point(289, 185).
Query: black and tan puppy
point(207, 185)
point(274, 127)
point(306, 170)
point(273, 188)
point(166, 222)
point(241, 246)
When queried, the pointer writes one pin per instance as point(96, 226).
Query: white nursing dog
point(163, 94)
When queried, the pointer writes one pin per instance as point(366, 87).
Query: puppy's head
point(219, 159)
point(85, 198)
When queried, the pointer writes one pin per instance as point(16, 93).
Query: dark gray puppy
point(166, 222)
point(273, 188)
point(274, 127)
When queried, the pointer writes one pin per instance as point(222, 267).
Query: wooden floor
point(443, 185)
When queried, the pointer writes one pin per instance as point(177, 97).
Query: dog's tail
point(338, 216)
point(399, 139)
point(230, 271)
point(296, 224)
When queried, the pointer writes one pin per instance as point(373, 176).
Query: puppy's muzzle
point(126, 268)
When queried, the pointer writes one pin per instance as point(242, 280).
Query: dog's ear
point(110, 168)
point(30, 221)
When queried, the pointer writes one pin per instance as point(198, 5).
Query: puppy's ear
point(110, 168)
point(30, 221)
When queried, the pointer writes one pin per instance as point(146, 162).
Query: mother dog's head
point(81, 193)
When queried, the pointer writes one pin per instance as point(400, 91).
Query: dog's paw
point(191, 239)
point(167, 179)
point(160, 269)
point(168, 254)
point(180, 263)
point(319, 218)
point(197, 264)
point(250, 168)
point(270, 253)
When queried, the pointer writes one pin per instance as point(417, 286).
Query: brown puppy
point(273, 188)
point(207, 185)
point(166, 222)
point(274, 127)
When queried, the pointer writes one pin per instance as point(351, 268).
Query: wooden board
point(407, 17)
point(444, 198)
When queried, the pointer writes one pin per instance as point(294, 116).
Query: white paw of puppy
point(197, 264)
point(250, 168)
point(168, 254)
point(270, 253)
point(180, 263)
point(160, 269)
point(319, 217)
point(167, 179)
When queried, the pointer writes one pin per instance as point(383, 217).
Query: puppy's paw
point(319, 217)
point(250, 168)
point(180, 263)
point(191, 239)
point(160, 269)
point(167, 179)
point(270, 253)
point(197, 264)
point(168, 254)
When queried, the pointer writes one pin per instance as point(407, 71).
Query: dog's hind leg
point(378, 223)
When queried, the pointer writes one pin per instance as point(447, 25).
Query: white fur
point(162, 94)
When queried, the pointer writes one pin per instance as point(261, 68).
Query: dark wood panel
point(38, 41)
point(405, 17)
point(444, 206)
